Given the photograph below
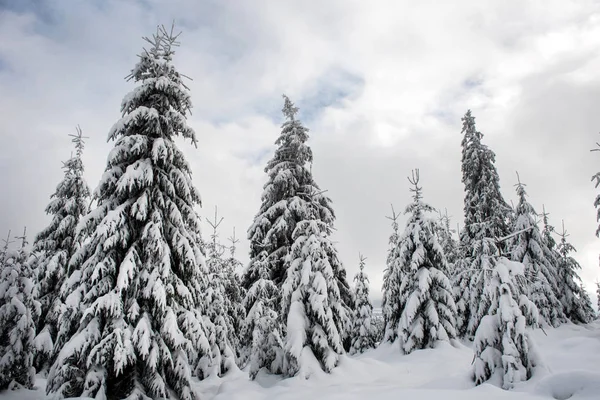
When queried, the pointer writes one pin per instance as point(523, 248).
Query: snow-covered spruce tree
point(447, 242)
point(502, 344)
point(596, 178)
point(598, 298)
point(575, 302)
point(312, 306)
point(529, 249)
point(588, 311)
point(425, 296)
point(262, 323)
point(217, 308)
point(283, 207)
point(486, 217)
point(140, 274)
point(234, 293)
point(54, 246)
point(362, 335)
point(18, 311)
point(392, 279)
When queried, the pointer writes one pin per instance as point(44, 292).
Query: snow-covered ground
point(570, 353)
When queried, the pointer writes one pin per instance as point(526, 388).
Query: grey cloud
point(381, 87)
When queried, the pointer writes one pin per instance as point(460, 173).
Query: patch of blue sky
point(329, 91)
point(45, 13)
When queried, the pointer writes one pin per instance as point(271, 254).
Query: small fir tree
point(529, 249)
point(312, 306)
point(262, 323)
point(235, 294)
point(218, 310)
point(18, 310)
point(575, 302)
point(596, 178)
point(140, 275)
point(425, 294)
point(362, 335)
point(598, 297)
point(392, 279)
point(502, 344)
point(447, 242)
point(54, 246)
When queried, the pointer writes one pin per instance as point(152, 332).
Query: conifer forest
point(305, 248)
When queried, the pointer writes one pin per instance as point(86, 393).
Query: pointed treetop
point(417, 196)
point(469, 125)
point(362, 260)
point(23, 238)
point(7, 241)
point(289, 109)
point(520, 188)
point(234, 241)
point(564, 233)
point(545, 214)
point(79, 141)
point(163, 42)
point(394, 217)
point(215, 226)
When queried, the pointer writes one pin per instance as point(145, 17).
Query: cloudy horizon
point(382, 88)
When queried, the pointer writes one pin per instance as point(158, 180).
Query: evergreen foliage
point(54, 246)
point(235, 294)
point(425, 302)
point(486, 220)
point(450, 246)
point(218, 309)
point(576, 304)
point(598, 297)
point(529, 249)
point(262, 324)
point(362, 335)
point(392, 279)
point(502, 344)
point(138, 280)
point(312, 306)
point(284, 205)
point(596, 178)
point(18, 311)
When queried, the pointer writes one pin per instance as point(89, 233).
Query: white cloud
point(397, 77)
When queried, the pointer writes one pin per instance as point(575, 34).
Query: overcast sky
point(381, 85)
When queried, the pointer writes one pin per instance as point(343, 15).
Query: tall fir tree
point(363, 337)
point(486, 220)
point(262, 326)
point(140, 274)
point(529, 249)
point(391, 283)
point(218, 309)
point(312, 305)
point(502, 344)
point(284, 206)
point(54, 246)
point(424, 298)
point(18, 311)
point(575, 302)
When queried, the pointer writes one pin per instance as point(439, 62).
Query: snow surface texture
point(570, 353)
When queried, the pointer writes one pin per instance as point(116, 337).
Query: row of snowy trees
point(503, 274)
point(122, 297)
